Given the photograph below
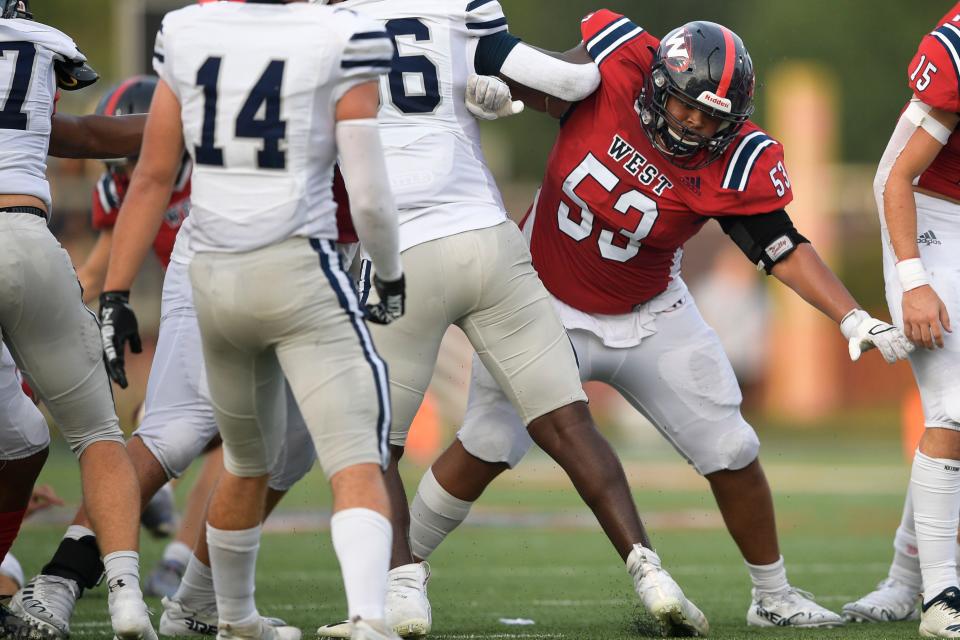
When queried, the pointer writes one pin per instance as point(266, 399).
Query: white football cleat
point(662, 596)
point(179, 620)
point(129, 616)
point(941, 616)
point(407, 608)
point(46, 603)
point(891, 601)
point(789, 608)
point(260, 630)
point(371, 630)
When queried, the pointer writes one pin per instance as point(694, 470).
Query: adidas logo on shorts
point(929, 238)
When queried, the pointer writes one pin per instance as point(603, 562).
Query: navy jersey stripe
point(351, 64)
point(742, 161)
point(370, 35)
point(476, 4)
point(490, 24)
point(159, 56)
point(949, 37)
point(330, 264)
point(609, 43)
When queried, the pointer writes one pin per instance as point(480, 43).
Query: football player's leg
point(897, 596)
point(55, 341)
point(24, 445)
point(523, 345)
point(246, 391)
point(517, 334)
point(492, 439)
point(935, 482)
point(346, 407)
point(410, 346)
point(682, 381)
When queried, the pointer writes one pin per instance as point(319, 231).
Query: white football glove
point(488, 98)
point(864, 333)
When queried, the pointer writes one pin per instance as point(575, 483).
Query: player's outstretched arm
point(96, 136)
point(535, 76)
point(137, 224)
point(923, 312)
point(94, 269)
point(371, 200)
point(806, 273)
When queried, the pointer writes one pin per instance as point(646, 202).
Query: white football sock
point(76, 531)
point(905, 567)
point(177, 552)
point(11, 568)
point(935, 489)
point(362, 539)
point(196, 587)
point(233, 556)
point(434, 513)
point(122, 569)
point(768, 578)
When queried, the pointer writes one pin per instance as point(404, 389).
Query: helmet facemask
point(16, 9)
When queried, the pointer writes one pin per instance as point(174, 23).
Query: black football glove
point(392, 302)
point(118, 325)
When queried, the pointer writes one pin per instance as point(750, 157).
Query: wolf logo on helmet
point(706, 66)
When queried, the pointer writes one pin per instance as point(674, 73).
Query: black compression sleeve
point(765, 238)
point(492, 51)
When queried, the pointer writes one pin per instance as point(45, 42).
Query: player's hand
point(489, 98)
point(392, 304)
point(118, 325)
point(43, 498)
point(864, 333)
point(923, 316)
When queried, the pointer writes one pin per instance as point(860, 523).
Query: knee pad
point(719, 449)
point(177, 442)
point(496, 441)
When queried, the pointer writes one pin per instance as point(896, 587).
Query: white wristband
point(911, 274)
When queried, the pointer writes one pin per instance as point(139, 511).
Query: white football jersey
point(440, 180)
point(28, 88)
point(258, 86)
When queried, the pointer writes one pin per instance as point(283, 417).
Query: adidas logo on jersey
point(929, 238)
point(692, 183)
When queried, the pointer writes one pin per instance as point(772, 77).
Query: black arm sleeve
point(492, 51)
point(765, 239)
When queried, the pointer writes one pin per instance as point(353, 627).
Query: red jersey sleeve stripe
point(728, 63)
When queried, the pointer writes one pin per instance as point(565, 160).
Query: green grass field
point(533, 552)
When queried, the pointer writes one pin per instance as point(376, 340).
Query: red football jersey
point(108, 196)
point(345, 231)
point(934, 76)
point(613, 212)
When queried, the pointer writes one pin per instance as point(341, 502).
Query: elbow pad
point(765, 239)
point(73, 76)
